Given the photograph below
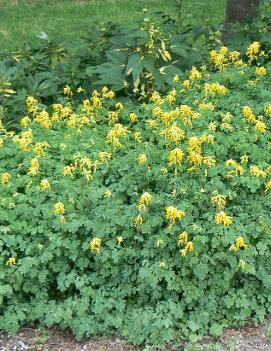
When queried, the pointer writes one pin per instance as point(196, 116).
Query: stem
point(179, 4)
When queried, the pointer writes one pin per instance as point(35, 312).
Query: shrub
point(152, 222)
point(134, 60)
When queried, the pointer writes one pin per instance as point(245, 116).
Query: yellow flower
point(257, 172)
point(96, 245)
point(133, 117)
point(25, 122)
point(24, 139)
point(67, 90)
point(5, 178)
point(189, 247)
point(176, 156)
point(187, 84)
point(223, 218)
point(219, 200)
point(238, 169)
point(31, 103)
point(261, 126)
point(215, 89)
point(212, 126)
point(253, 50)
point(142, 159)
point(80, 90)
point(173, 214)
point(115, 133)
point(206, 106)
point(244, 159)
point(159, 242)
point(144, 201)
point(242, 264)
point(45, 185)
point(104, 156)
point(176, 78)
point(268, 186)
point(156, 97)
point(267, 110)
point(173, 133)
point(40, 147)
point(33, 170)
point(195, 74)
point(11, 261)
point(261, 71)
point(209, 161)
point(119, 106)
point(171, 97)
point(163, 265)
point(68, 170)
point(248, 113)
point(183, 238)
point(164, 170)
point(138, 220)
point(138, 137)
point(119, 239)
point(239, 244)
point(59, 208)
point(107, 194)
point(62, 219)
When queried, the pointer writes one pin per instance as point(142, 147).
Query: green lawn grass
point(22, 20)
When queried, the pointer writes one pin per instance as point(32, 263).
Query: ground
point(66, 19)
point(250, 338)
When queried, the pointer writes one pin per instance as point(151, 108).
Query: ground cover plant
point(148, 221)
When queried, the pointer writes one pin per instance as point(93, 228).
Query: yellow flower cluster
point(175, 157)
point(188, 246)
point(142, 159)
point(96, 245)
point(195, 154)
point(223, 58)
point(253, 51)
point(219, 200)
point(5, 178)
point(24, 139)
point(268, 186)
point(59, 208)
point(31, 104)
point(33, 170)
point(144, 201)
point(173, 215)
point(11, 261)
point(118, 131)
point(239, 244)
point(250, 117)
point(139, 220)
point(215, 89)
point(223, 218)
point(257, 171)
point(40, 148)
point(173, 133)
point(235, 168)
point(260, 71)
point(45, 185)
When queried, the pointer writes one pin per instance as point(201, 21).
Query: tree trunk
point(239, 11)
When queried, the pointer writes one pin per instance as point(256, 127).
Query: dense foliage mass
point(133, 59)
point(151, 222)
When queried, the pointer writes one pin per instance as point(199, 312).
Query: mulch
point(250, 338)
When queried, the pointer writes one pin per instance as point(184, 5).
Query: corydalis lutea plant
point(113, 213)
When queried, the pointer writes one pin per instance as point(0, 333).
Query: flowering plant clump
point(149, 221)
